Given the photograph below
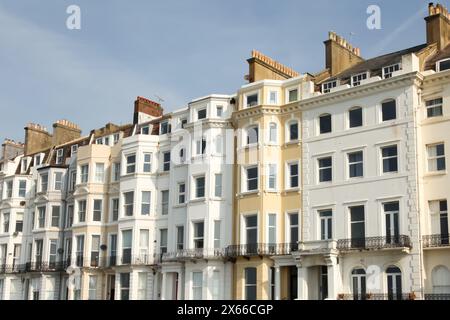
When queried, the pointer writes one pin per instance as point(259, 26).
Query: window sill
point(289, 190)
point(180, 205)
point(435, 173)
point(197, 200)
point(248, 193)
point(217, 198)
point(291, 143)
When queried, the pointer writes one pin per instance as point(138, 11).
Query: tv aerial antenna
point(159, 98)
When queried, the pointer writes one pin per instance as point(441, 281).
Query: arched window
point(441, 280)
point(359, 284)
point(325, 123)
point(252, 135)
point(389, 110)
point(292, 133)
point(273, 130)
point(355, 117)
point(182, 155)
point(394, 283)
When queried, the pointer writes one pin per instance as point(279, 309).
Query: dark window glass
point(325, 123)
point(388, 110)
point(355, 118)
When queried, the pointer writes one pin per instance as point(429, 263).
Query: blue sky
point(178, 50)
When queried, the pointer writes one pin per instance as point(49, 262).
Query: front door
point(323, 283)
point(111, 287)
point(293, 293)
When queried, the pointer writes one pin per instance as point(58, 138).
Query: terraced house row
point(327, 185)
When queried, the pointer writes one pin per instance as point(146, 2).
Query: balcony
point(11, 268)
point(374, 243)
point(193, 254)
point(376, 296)
point(138, 260)
point(44, 266)
point(436, 241)
point(261, 249)
point(437, 296)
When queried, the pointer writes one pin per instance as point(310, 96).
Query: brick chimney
point(262, 67)
point(11, 149)
point(438, 25)
point(37, 138)
point(65, 131)
point(146, 110)
point(339, 54)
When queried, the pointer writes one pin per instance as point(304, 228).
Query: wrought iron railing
point(376, 296)
point(436, 240)
point(374, 243)
point(261, 249)
point(188, 254)
point(437, 296)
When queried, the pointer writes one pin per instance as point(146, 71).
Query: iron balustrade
point(261, 249)
point(374, 243)
point(437, 296)
point(376, 296)
point(436, 241)
point(188, 254)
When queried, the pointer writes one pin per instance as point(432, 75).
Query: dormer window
point(116, 138)
point(37, 159)
point(201, 114)
point(327, 86)
point(107, 141)
point(99, 141)
point(183, 123)
point(357, 78)
point(59, 156)
point(219, 111)
point(74, 149)
point(24, 165)
point(443, 65)
point(145, 130)
point(165, 127)
point(292, 95)
point(252, 100)
point(389, 70)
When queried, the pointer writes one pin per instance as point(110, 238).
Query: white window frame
point(287, 94)
point(288, 175)
point(288, 131)
point(99, 174)
point(436, 157)
point(181, 193)
point(272, 175)
point(145, 204)
point(387, 145)
point(73, 150)
point(219, 111)
point(148, 163)
point(248, 94)
point(269, 97)
point(434, 106)
point(360, 77)
point(198, 111)
point(59, 156)
point(393, 66)
point(269, 133)
point(196, 187)
point(84, 176)
point(218, 187)
point(130, 167)
point(438, 64)
point(329, 85)
point(246, 179)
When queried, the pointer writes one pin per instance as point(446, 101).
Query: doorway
point(111, 287)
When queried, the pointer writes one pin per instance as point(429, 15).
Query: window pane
point(325, 123)
point(388, 109)
point(355, 117)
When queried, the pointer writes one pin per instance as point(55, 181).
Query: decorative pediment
point(81, 191)
point(41, 199)
point(6, 204)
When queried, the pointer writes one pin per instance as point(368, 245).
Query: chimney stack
point(438, 25)
point(262, 67)
point(11, 149)
point(37, 138)
point(340, 54)
point(146, 110)
point(65, 131)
